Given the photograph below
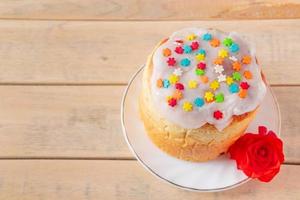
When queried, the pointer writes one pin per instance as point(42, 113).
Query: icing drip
point(216, 74)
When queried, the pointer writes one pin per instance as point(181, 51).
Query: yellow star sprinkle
point(200, 57)
point(173, 79)
point(214, 85)
point(209, 96)
point(191, 37)
point(229, 80)
point(223, 53)
point(187, 106)
point(193, 84)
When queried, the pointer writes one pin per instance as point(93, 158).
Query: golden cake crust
point(201, 144)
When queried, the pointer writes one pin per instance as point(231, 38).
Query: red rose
point(258, 155)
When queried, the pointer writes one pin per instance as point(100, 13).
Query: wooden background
point(65, 64)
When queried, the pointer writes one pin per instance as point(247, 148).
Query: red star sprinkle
point(179, 50)
point(244, 85)
point(171, 61)
point(201, 65)
point(179, 86)
point(218, 115)
point(172, 102)
point(195, 45)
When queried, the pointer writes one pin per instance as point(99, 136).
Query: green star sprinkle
point(200, 72)
point(227, 42)
point(236, 76)
point(219, 98)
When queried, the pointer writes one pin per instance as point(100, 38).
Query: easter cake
point(201, 89)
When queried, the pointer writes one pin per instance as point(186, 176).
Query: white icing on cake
point(232, 104)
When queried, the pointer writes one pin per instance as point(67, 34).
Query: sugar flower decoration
point(192, 84)
point(214, 85)
point(187, 106)
point(207, 37)
point(178, 72)
point(209, 96)
point(219, 68)
point(222, 78)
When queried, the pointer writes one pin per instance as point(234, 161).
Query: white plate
point(215, 175)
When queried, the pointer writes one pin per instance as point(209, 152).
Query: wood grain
point(51, 52)
point(114, 180)
point(84, 122)
point(149, 10)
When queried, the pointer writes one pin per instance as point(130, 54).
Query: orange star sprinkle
point(177, 95)
point(218, 61)
point(166, 52)
point(159, 83)
point(215, 42)
point(243, 93)
point(204, 79)
point(236, 66)
point(246, 60)
point(248, 74)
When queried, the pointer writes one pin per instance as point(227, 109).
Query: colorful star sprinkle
point(187, 49)
point(215, 42)
point(244, 85)
point(192, 84)
point(191, 37)
point(209, 96)
point(177, 95)
point(234, 88)
point(219, 68)
point(227, 42)
point(234, 48)
point(207, 37)
point(243, 94)
point(200, 57)
point(229, 80)
point(218, 61)
point(201, 65)
point(247, 74)
point(179, 86)
point(204, 79)
point(173, 79)
point(167, 52)
point(223, 53)
point(178, 72)
point(195, 45)
point(218, 115)
point(199, 102)
point(166, 83)
point(236, 76)
point(187, 106)
point(246, 60)
point(199, 72)
point(172, 102)
point(179, 50)
point(221, 78)
point(201, 51)
point(236, 66)
point(171, 61)
point(219, 98)
point(159, 83)
point(214, 85)
point(185, 62)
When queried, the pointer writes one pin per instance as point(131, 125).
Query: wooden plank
point(84, 122)
point(88, 180)
point(149, 10)
point(51, 52)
